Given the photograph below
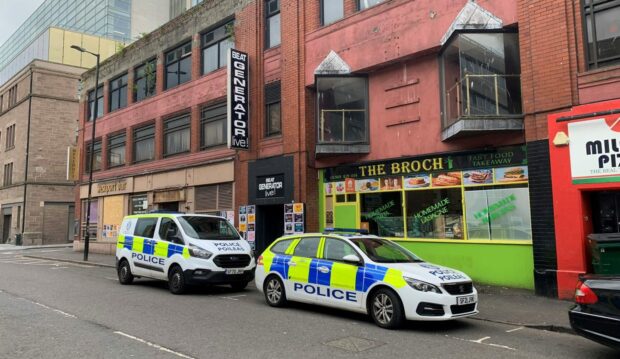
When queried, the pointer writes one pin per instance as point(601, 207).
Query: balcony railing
point(343, 126)
point(483, 96)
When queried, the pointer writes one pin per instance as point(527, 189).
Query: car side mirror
point(352, 258)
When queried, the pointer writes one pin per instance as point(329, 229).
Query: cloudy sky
point(13, 13)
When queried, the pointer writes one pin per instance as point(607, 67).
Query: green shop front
point(466, 210)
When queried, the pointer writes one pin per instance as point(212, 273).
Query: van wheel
point(176, 280)
point(124, 272)
point(275, 295)
point(386, 309)
point(239, 285)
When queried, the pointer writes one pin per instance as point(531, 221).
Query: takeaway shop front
point(584, 152)
point(466, 210)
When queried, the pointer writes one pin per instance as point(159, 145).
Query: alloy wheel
point(274, 291)
point(383, 308)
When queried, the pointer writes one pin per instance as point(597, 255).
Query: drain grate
point(354, 344)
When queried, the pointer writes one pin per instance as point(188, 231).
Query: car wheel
point(124, 272)
point(386, 309)
point(176, 280)
point(239, 285)
point(275, 295)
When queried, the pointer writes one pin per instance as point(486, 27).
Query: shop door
point(6, 228)
point(606, 211)
point(269, 225)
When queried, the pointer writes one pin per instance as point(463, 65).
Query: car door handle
point(291, 264)
point(323, 269)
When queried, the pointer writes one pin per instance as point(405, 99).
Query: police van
point(183, 249)
point(362, 273)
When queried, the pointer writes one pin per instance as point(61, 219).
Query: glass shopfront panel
point(435, 214)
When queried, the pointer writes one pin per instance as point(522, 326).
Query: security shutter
point(218, 197)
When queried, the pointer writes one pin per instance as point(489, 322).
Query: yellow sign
point(109, 187)
point(73, 164)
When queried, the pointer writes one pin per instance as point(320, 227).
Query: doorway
point(6, 228)
point(605, 211)
point(168, 206)
point(269, 225)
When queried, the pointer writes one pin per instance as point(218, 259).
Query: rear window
point(282, 246)
point(145, 227)
point(307, 247)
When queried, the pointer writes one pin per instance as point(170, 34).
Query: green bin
point(605, 251)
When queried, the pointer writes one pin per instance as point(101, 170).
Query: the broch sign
point(238, 100)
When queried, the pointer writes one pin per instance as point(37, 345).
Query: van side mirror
point(352, 258)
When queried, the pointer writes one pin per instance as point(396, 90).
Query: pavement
point(503, 305)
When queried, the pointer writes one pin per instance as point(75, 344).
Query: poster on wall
point(594, 151)
point(294, 220)
point(247, 223)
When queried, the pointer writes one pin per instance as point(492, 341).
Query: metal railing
point(346, 127)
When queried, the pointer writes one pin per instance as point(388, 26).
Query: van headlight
point(422, 286)
point(199, 252)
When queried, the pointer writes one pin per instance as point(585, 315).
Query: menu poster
point(294, 218)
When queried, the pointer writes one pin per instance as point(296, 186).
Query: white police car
point(184, 249)
point(362, 273)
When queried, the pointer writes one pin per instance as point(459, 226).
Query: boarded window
point(218, 197)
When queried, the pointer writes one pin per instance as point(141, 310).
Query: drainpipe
point(27, 157)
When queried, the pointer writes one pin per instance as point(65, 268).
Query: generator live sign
point(238, 100)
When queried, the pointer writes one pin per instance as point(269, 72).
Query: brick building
point(38, 108)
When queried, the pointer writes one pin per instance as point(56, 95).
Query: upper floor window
point(144, 143)
point(8, 174)
point(116, 150)
point(213, 126)
point(13, 96)
point(118, 92)
point(215, 45)
point(96, 161)
point(1, 102)
point(144, 82)
point(602, 20)
point(273, 122)
point(176, 135)
point(331, 11)
point(365, 4)
point(10, 137)
point(342, 109)
point(272, 14)
point(91, 102)
point(179, 65)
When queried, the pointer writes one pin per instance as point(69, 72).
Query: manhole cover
point(354, 344)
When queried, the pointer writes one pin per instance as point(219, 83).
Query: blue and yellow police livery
point(184, 249)
point(365, 274)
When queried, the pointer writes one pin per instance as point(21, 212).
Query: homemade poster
point(294, 218)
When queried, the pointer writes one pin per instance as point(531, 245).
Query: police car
point(184, 249)
point(362, 273)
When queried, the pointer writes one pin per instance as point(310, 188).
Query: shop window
point(382, 213)
point(8, 174)
point(145, 227)
point(91, 102)
point(93, 218)
point(145, 80)
point(179, 65)
point(144, 143)
point(307, 247)
point(342, 112)
point(331, 11)
point(346, 198)
point(435, 214)
point(118, 93)
point(176, 135)
point(480, 75)
point(116, 150)
point(365, 4)
point(602, 22)
point(213, 126)
point(10, 137)
point(218, 197)
point(215, 45)
point(272, 14)
point(96, 161)
point(273, 110)
point(498, 213)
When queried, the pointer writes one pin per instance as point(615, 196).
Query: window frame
point(271, 102)
point(322, 12)
point(7, 179)
point(137, 78)
point(10, 137)
point(121, 83)
point(206, 120)
point(360, 8)
point(91, 103)
point(112, 146)
point(204, 45)
point(181, 55)
point(316, 255)
point(146, 219)
point(592, 60)
point(339, 260)
point(176, 129)
point(138, 140)
point(96, 149)
point(268, 16)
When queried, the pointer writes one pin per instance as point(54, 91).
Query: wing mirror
point(352, 258)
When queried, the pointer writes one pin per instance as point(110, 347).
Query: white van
point(184, 249)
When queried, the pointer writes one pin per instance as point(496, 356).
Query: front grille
point(460, 309)
point(232, 260)
point(430, 309)
point(459, 288)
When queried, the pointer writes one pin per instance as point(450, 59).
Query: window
point(97, 159)
point(382, 213)
point(213, 126)
point(10, 137)
point(179, 65)
point(342, 109)
point(336, 250)
point(118, 92)
point(273, 120)
point(12, 96)
point(307, 247)
point(169, 231)
point(214, 198)
point(1, 102)
point(8, 174)
point(144, 143)
point(282, 246)
point(144, 82)
point(91, 103)
point(116, 150)
point(435, 213)
point(365, 4)
point(331, 11)
point(602, 27)
point(272, 13)
point(145, 227)
point(215, 45)
point(176, 135)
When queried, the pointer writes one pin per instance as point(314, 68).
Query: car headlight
point(422, 286)
point(199, 252)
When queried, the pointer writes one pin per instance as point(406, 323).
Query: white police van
point(183, 249)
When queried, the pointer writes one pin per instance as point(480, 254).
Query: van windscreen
point(208, 228)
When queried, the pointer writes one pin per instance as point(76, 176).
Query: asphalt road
point(51, 309)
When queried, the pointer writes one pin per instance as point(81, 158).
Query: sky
point(13, 13)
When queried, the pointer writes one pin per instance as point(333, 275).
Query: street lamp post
point(92, 149)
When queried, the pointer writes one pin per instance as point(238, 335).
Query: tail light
point(584, 294)
point(259, 262)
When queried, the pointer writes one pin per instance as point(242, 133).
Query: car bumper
point(206, 276)
point(598, 328)
point(438, 307)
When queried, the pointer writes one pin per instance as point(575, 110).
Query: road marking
point(68, 315)
point(480, 341)
point(57, 267)
point(233, 297)
point(154, 345)
point(514, 330)
point(50, 250)
point(109, 278)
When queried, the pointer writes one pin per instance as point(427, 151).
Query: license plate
point(468, 299)
point(234, 271)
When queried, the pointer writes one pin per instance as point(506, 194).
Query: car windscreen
point(383, 251)
point(208, 228)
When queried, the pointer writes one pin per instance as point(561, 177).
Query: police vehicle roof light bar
point(346, 230)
